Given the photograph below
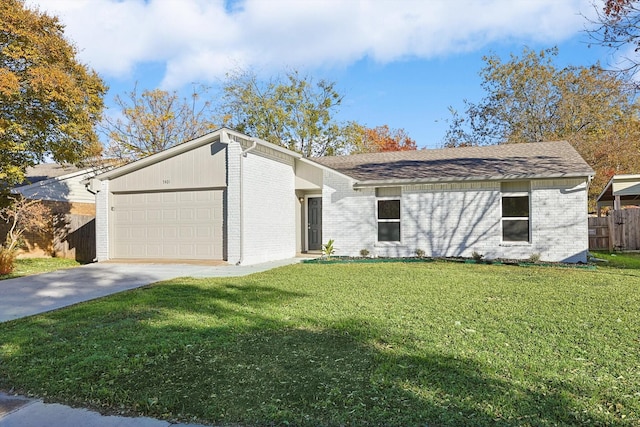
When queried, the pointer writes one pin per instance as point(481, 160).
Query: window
point(515, 217)
point(388, 220)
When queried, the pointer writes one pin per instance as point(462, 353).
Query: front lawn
point(619, 259)
point(438, 344)
point(29, 266)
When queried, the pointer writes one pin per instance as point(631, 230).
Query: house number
point(166, 181)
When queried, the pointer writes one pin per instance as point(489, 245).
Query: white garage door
point(168, 225)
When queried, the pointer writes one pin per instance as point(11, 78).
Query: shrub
point(7, 260)
point(364, 253)
point(419, 253)
point(534, 258)
point(477, 256)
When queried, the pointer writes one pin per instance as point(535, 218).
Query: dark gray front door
point(314, 215)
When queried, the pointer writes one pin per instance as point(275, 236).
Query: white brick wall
point(457, 219)
point(348, 216)
point(560, 220)
point(453, 221)
point(102, 222)
point(269, 203)
point(232, 207)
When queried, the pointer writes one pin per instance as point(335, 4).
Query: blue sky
point(398, 62)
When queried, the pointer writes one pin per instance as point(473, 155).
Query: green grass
point(619, 259)
point(438, 344)
point(29, 266)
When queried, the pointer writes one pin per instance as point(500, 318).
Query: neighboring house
point(73, 207)
point(60, 187)
point(232, 197)
point(621, 190)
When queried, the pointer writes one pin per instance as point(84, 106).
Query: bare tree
point(20, 216)
point(617, 26)
point(154, 120)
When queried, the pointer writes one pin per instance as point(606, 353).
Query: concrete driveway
point(29, 295)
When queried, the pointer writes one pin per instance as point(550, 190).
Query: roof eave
point(604, 190)
point(419, 181)
point(48, 181)
point(324, 168)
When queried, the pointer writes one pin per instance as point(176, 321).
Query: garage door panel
point(135, 248)
point(138, 216)
point(122, 233)
point(169, 214)
point(187, 214)
point(121, 217)
point(169, 251)
point(204, 233)
point(202, 214)
point(173, 225)
point(204, 251)
point(154, 232)
point(186, 233)
point(169, 197)
point(186, 197)
point(154, 215)
point(138, 233)
point(169, 233)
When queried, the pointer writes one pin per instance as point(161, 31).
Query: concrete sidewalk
point(17, 411)
point(29, 295)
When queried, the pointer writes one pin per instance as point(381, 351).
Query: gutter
point(243, 154)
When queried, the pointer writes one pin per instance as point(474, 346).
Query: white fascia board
point(326, 168)
point(263, 143)
point(625, 177)
point(47, 181)
point(604, 190)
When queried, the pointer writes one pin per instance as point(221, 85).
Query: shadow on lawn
point(228, 364)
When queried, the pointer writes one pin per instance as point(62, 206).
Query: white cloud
point(199, 40)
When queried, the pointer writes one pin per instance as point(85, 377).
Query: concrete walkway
point(29, 295)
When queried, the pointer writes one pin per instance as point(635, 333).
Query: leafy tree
point(155, 120)
point(292, 111)
point(618, 27)
point(528, 99)
point(49, 102)
point(381, 138)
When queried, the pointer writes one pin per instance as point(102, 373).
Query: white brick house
point(228, 196)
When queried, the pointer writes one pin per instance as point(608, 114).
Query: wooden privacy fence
point(68, 236)
point(619, 231)
point(74, 236)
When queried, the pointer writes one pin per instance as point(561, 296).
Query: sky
point(400, 63)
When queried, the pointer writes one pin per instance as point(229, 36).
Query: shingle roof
point(44, 171)
point(507, 161)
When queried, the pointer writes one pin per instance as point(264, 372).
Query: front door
point(314, 215)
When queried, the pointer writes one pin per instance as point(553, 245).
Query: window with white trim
point(388, 214)
point(515, 213)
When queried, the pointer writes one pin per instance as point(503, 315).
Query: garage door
point(168, 225)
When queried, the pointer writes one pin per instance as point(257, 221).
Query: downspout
point(243, 153)
point(93, 186)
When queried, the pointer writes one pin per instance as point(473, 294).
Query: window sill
point(515, 244)
point(387, 244)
